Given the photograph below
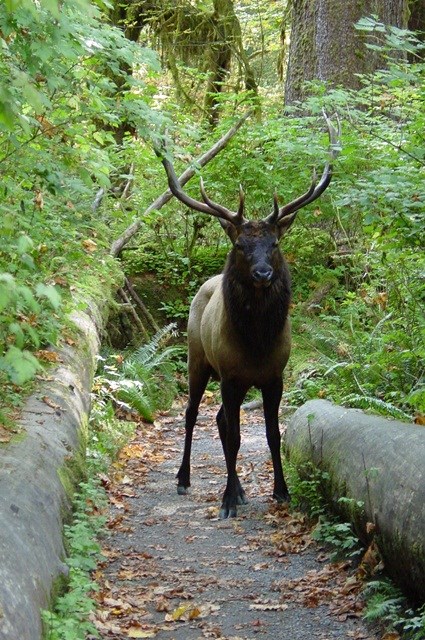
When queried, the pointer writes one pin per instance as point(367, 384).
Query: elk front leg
point(222, 429)
point(197, 384)
point(232, 395)
point(272, 394)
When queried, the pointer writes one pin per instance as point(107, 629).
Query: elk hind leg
point(272, 394)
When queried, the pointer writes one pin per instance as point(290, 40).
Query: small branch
point(126, 190)
point(145, 311)
point(98, 199)
point(129, 307)
point(119, 244)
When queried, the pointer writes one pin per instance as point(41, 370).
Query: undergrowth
point(135, 386)
point(387, 605)
point(385, 602)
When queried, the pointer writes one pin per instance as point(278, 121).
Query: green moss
point(74, 468)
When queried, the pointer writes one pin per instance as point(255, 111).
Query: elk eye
point(238, 246)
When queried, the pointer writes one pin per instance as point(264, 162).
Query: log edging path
point(380, 463)
point(38, 472)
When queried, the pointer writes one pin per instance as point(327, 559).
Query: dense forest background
point(86, 91)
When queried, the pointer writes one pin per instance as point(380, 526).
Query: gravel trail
point(174, 571)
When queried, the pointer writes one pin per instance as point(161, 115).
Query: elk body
point(239, 329)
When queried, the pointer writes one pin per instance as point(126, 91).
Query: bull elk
point(239, 328)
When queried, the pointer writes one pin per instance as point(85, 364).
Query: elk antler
point(315, 190)
point(208, 206)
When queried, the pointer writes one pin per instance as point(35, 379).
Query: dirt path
point(176, 572)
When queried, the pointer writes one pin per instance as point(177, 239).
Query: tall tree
point(326, 46)
point(417, 18)
point(208, 38)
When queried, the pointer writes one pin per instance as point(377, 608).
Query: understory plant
point(142, 381)
point(387, 605)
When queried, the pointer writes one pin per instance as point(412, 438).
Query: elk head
point(256, 255)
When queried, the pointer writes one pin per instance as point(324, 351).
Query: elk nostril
point(262, 275)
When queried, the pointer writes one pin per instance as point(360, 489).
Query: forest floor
point(174, 571)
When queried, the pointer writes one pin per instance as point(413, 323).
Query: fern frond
point(146, 352)
point(370, 402)
point(134, 394)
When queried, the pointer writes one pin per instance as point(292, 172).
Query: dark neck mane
point(258, 315)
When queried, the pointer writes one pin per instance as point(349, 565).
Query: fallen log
point(380, 463)
point(39, 472)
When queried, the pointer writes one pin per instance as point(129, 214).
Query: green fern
point(145, 381)
point(378, 405)
point(136, 396)
point(384, 602)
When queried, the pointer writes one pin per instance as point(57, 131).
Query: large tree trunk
point(417, 21)
point(325, 45)
point(227, 44)
point(380, 463)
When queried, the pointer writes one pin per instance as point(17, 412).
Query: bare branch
point(119, 244)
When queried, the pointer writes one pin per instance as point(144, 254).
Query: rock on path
point(176, 572)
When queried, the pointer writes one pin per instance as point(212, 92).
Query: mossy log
point(39, 472)
point(376, 461)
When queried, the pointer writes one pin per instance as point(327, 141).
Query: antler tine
point(241, 204)
point(315, 190)
point(223, 212)
point(281, 212)
point(208, 206)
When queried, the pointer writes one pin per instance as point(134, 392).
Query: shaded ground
point(176, 572)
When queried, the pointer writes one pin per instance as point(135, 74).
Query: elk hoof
point(181, 490)
point(282, 497)
point(228, 513)
point(242, 499)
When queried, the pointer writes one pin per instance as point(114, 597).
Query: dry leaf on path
point(268, 606)
point(137, 632)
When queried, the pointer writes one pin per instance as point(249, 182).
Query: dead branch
point(143, 308)
point(131, 310)
point(118, 245)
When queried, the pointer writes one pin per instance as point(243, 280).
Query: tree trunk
point(325, 45)
point(417, 21)
point(380, 463)
point(227, 44)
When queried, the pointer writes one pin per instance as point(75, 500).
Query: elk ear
point(285, 222)
point(230, 229)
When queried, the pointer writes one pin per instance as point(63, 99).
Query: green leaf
point(21, 366)
point(51, 293)
point(24, 244)
point(7, 289)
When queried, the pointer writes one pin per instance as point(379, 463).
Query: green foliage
point(144, 381)
point(339, 535)
point(70, 618)
point(387, 604)
point(309, 489)
point(66, 91)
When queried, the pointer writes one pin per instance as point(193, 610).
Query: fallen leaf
point(50, 403)
point(47, 356)
point(268, 606)
point(135, 632)
point(178, 613)
point(89, 245)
